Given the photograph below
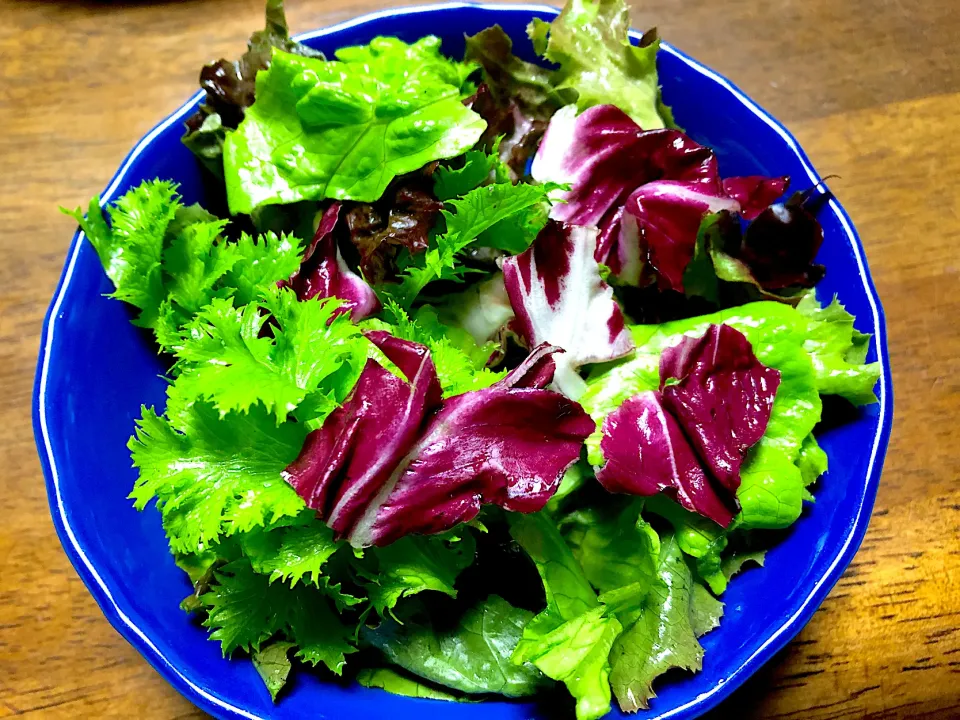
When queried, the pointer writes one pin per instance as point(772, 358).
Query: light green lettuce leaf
point(344, 129)
point(772, 487)
point(663, 636)
point(697, 536)
point(570, 639)
point(244, 610)
point(590, 43)
point(839, 352)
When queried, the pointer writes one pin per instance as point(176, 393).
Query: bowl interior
point(96, 370)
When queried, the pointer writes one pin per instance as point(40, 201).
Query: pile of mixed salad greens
point(481, 376)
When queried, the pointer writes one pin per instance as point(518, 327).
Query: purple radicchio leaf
point(323, 272)
point(559, 298)
point(646, 191)
point(343, 465)
point(394, 460)
point(509, 444)
point(689, 439)
point(723, 397)
point(646, 453)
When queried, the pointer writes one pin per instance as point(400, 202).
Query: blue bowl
point(95, 370)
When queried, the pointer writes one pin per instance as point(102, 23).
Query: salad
point(483, 381)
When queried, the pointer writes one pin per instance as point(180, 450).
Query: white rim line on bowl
point(107, 195)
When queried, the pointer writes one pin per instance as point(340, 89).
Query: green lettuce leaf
point(570, 639)
point(472, 656)
point(478, 167)
point(401, 684)
point(310, 355)
point(812, 461)
point(663, 635)
point(615, 547)
point(213, 475)
point(344, 129)
point(698, 537)
point(273, 665)
point(590, 43)
point(839, 352)
point(705, 611)
point(734, 563)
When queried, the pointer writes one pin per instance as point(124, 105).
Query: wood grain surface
point(870, 87)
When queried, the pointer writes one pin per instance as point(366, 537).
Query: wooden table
point(870, 87)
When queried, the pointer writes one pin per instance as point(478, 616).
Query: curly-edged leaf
point(771, 491)
point(470, 653)
point(131, 246)
point(479, 211)
point(690, 438)
point(324, 273)
point(733, 564)
point(460, 362)
point(311, 355)
point(698, 537)
point(559, 298)
point(386, 109)
point(214, 475)
point(170, 260)
point(262, 262)
point(811, 460)
point(705, 611)
point(839, 352)
point(662, 637)
point(590, 42)
point(414, 564)
point(244, 610)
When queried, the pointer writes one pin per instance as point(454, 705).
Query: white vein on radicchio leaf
point(559, 298)
point(690, 438)
point(646, 191)
point(324, 273)
point(395, 459)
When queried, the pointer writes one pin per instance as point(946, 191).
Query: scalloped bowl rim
point(702, 702)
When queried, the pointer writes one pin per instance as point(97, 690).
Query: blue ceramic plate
point(96, 369)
